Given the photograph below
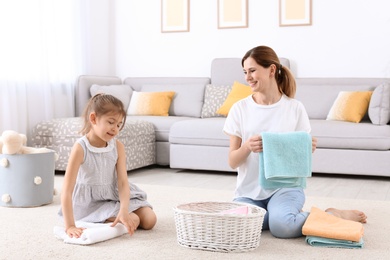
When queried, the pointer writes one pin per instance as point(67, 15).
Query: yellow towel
point(322, 224)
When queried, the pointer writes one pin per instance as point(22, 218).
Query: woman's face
point(256, 76)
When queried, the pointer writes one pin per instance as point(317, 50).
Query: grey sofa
point(189, 140)
point(185, 139)
point(344, 147)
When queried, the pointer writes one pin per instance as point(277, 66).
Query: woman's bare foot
point(354, 215)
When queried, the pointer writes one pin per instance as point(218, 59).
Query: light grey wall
point(348, 38)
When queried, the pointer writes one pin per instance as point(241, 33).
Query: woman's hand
point(313, 144)
point(127, 221)
point(74, 231)
point(255, 144)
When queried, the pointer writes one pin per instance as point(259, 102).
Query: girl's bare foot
point(354, 215)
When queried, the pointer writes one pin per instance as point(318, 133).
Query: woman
point(271, 108)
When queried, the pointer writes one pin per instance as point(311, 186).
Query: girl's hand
point(127, 221)
point(255, 144)
point(74, 231)
point(313, 144)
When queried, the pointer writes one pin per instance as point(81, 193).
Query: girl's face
point(107, 126)
point(258, 77)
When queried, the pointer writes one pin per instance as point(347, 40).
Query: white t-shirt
point(246, 118)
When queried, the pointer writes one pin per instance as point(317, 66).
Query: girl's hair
point(265, 57)
point(102, 104)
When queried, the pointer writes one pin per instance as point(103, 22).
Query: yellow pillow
point(150, 103)
point(238, 92)
point(350, 106)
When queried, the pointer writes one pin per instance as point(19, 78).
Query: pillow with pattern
point(239, 91)
point(213, 99)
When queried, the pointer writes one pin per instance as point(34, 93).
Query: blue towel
point(328, 242)
point(282, 182)
point(286, 160)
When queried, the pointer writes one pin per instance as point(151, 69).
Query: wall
point(349, 38)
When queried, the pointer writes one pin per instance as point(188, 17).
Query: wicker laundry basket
point(219, 226)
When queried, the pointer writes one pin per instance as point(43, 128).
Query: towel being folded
point(322, 224)
point(329, 242)
point(286, 159)
point(276, 183)
point(94, 233)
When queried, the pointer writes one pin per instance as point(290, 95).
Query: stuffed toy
point(11, 142)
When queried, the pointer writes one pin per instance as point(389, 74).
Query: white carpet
point(27, 233)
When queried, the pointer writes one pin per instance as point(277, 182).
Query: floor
point(319, 185)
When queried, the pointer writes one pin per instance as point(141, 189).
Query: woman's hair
point(265, 57)
point(102, 104)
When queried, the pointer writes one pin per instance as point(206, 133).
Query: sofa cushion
point(121, 92)
point(161, 124)
point(318, 94)
point(238, 92)
point(207, 132)
point(350, 106)
point(348, 135)
point(214, 97)
point(188, 100)
point(224, 71)
point(150, 103)
point(379, 108)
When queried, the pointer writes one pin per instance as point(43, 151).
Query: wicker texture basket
point(205, 226)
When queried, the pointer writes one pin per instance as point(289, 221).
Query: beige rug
point(27, 233)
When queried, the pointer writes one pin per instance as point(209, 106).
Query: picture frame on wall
point(232, 14)
point(175, 16)
point(295, 12)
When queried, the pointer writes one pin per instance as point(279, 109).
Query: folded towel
point(276, 183)
point(286, 159)
point(328, 242)
point(322, 224)
point(94, 233)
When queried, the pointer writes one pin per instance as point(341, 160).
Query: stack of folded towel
point(286, 160)
point(325, 230)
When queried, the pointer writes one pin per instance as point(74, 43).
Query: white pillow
point(379, 108)
point(121, 92)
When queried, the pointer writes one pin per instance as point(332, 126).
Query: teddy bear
point(11, 142)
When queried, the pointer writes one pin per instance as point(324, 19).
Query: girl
point(96, 188)
point(271, 108)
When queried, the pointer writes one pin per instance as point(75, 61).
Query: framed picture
point(232, 14)
point(294, 12)
point(175, 16)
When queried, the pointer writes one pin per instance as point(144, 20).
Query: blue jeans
point(284, 217)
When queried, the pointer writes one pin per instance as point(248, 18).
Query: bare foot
point(354, 215)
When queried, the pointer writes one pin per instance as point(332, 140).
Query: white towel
point(94, 233)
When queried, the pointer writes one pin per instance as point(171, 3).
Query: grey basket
point(26, 180)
